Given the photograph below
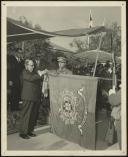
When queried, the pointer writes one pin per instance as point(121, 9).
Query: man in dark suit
point(30, 95)
point(13, 83)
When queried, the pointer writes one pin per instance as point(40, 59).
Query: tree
point(108, 44)
point(116, 35)
point(23, 20)
point(35, 48)
point(112, 40)
point(80, 44)
point(37, 27)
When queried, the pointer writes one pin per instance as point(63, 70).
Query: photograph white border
point(6, 4)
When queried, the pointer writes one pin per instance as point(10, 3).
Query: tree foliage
point(41, 49)
point(110, 42)
point(79, 44)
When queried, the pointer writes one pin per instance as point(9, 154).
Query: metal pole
point(114, 80)
point(23, 49)
point(95, 64)
point(98, 49)
point(23, 45)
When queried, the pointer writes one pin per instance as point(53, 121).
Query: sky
point(66, 17)
point(60, 18)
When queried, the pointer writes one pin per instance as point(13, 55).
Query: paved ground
point(44, 141)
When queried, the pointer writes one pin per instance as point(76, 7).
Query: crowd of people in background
point(15, 67)
point(103, 70)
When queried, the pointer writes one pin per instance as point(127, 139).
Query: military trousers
point(28, 116)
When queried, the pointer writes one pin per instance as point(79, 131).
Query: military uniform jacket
point(30, 86)
point(64, 71)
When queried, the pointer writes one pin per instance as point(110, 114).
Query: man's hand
point(39, 72)
point(42, 72)
point(46, 71)
point(112, 91)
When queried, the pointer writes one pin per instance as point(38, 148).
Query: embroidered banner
point(72, 105)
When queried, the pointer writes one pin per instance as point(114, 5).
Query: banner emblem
point(67, 110)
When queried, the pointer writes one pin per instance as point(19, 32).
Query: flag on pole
point(90, 20)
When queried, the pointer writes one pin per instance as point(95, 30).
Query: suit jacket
point(31, 89)
point(14, 75)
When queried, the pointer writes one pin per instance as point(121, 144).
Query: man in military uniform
point(62, 66)
point(31, 94)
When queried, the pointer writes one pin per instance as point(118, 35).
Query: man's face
point(62, 64)
point(30, 66)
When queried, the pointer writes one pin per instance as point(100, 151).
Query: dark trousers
point(13, 102)
point(118, 129)
point(29, 114)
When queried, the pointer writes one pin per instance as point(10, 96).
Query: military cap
point(61, 59)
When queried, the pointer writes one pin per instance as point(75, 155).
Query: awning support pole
point(98, 49)
point(23, 45)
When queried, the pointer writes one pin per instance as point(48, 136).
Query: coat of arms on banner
point(68, 110)
point(68, 107)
